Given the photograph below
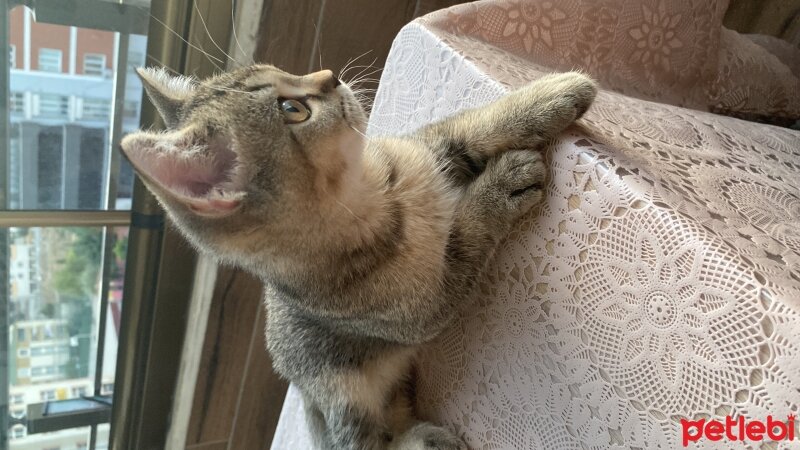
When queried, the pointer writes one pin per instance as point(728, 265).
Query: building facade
point(61, 108)
point(61, 99)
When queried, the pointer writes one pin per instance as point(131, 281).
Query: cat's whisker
point(317, 39)
point(210, 57)
point(160, 63)
point(344, 70)
point(360, 219)
point(351, 61)
point(235, 36)
point(208, 33)
point(365, 77)
point(366, 68)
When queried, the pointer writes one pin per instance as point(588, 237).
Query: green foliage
point(121, 248)
point(77, 278)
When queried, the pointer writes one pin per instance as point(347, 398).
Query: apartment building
point(61, 98)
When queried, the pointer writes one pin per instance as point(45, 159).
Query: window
point(39, 351)
point(79, 391)
point(44, 371)
point(53, 105)
point(50, 60)
point(17, 432)
point(96, 108)
point(17, 103)
point(131, 110)
point(12, 56)
point(135, 59)
point(18, 413)
point(61, 128)
point(108, 388)
point(94, 64)
point(23, 353)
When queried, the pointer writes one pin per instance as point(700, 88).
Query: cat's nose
point(325, 79)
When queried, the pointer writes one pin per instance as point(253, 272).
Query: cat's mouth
point(190, 167)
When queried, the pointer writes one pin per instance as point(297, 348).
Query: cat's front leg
point(512, 184)
point(526, 118)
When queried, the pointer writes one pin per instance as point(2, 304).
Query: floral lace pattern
point(670, 51)
point(660, 279)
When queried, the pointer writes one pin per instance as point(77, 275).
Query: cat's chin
point(200, 173)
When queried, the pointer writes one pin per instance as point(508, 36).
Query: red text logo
point(738, 430)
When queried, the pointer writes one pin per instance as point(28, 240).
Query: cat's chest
point(305, 348)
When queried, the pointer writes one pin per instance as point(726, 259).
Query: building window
point(17, 102)
point(17, 432)
point(48, 395)
point(50, 60)
point(21, 334)
point(79, 391)
point(12, 56)
point(107, 388)
point(17, 399)
point(46, 370)
point(17, 413)
point(131, 110)
point(23, 353)
point(135, 59)
point(94, 64)
point(96, 108)
point(53, 105)
point(40, 351)
point(24, 372)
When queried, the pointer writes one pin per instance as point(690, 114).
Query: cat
point(367, 246)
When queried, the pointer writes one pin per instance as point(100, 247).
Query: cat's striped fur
point(367, 247)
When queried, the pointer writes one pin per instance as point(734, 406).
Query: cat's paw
point(427, 436)
point(574, 92)
point(519, 177)
point(559, 99)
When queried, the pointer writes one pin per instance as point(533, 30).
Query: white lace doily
point(659, 281)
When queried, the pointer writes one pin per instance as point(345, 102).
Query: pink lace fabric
point(660, 280)
point(670, 51)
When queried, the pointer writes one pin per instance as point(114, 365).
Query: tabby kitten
point(366, 247)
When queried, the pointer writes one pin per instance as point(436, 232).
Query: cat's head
point(247, 150)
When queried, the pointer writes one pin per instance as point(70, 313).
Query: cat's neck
point(359, 215)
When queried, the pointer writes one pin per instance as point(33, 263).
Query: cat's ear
point(168, 93)
point(185, 167)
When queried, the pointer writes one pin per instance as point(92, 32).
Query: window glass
point(54, 338)
point(58, 155)
point(50, 60)
point(61, 115)
point(94, 64)
point(96, 108)
point(53, 106)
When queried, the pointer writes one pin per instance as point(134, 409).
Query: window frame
point(154, 314)
point(102, 64)
point(55, 52)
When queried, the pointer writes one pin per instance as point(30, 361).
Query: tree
point(77, 277)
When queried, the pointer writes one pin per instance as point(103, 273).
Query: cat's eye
point(294, 111)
